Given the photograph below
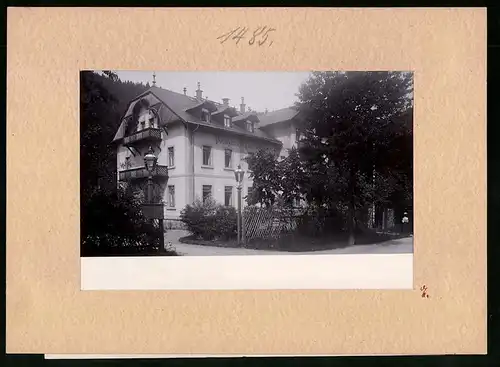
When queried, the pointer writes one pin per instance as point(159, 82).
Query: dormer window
point(227, 121)
point(250, 126)
point(205, 115)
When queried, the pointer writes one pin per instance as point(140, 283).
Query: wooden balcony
point(149, 134)
point(160, 172)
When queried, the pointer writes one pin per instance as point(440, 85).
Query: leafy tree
point(292, 178)
point(111, 220)
point(276, 181)
point(356, 125)
point(95, 112)
point(103, 100)
point(266, 176)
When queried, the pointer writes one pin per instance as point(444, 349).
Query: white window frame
point(203, 191)
point(210, 158)
point(171, 203)
point(250, 126)
point(204, 110)
point(231, 197)
point(227, 121)
point(230, 158)
point(173, 156)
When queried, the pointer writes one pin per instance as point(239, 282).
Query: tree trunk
point(352, 210)
point(351, 225)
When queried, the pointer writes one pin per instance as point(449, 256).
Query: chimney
point(184, 90)
point(266, 111)
point(225, 102)
point(242, 105)
point(199, 93)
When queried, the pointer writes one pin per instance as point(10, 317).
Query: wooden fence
point(267, 223)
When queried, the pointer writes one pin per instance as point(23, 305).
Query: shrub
point(209, 220)
point(196, 218)
point(226, 222)
point(320, 221)
point(112, 224)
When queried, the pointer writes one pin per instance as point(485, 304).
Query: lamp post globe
point(150, 160)
point(238, 174)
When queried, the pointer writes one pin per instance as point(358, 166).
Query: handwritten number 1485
point(259, 35)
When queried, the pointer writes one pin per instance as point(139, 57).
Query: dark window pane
point(171, 159)
point(207, 192)
point(171, 196)
point(250, 126)
point(228, 195)
point(227, 157)
point(205, 116)
point(206, 156)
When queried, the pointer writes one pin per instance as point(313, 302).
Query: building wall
point(177, 139)
point(188, 184)
point(178, 174)
point(284, 132)
point(216, 174)
point(136, 154)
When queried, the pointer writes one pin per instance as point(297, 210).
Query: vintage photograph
point(246, 163)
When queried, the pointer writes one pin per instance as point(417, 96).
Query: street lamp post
point(238, 175)
point(150, 161)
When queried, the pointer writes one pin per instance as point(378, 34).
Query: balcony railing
point(142, 172)
point(149, 134)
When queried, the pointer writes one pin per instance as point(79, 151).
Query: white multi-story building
point(198, 143)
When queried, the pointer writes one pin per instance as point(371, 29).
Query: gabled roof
point(273, 117)
point(231, 111)
point(180, 105)
point(209, 105)
point(252, 116)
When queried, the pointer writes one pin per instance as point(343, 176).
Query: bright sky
point(271, 90)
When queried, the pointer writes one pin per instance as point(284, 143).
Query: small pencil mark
point(424, 289)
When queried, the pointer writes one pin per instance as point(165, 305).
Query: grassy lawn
point(296, 243)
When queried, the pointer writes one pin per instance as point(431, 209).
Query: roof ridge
point(172, 91)
point(192, 98)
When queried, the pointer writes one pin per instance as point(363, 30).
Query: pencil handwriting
point(258, 36)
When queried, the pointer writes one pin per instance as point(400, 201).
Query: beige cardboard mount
point(47, 312)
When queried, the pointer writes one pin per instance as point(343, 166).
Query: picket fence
point(267, 223)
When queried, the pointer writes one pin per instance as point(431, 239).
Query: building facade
point(198, 143)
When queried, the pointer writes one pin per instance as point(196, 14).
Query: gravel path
point(401, 246)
